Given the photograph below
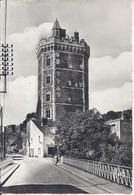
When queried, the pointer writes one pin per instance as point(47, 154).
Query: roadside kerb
point(8, 174)
point(6, 163)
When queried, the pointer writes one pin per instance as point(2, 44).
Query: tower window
point(48, 79)
point(48, 113)
point(48, 62)
point(48, 97)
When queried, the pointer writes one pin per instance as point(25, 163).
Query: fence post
point(61, 159)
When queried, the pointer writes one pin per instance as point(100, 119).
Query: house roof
point(44, 128)
point(38, 125)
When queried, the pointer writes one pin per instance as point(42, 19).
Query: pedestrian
point(56, 159)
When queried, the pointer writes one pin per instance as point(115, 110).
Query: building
point(62, 82)
point(62, 74)
point(123, 129)
point(40, 143)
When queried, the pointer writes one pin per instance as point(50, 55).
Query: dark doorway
point(51, 150)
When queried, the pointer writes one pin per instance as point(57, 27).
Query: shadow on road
point(53, 189)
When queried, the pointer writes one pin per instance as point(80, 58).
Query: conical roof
point(56, 25)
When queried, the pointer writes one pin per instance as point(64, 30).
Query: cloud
point(20, 100)
point(117, 99)
point(112, 69)
point(108, 71)
point(105, 25)
point(107, 76)
point(25, 43)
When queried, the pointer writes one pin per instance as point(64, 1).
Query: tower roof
point(56, 25)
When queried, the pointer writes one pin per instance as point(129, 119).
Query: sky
point(106, 27)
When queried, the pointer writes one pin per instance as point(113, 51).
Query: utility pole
point(1, 132)
point(4, 143)
point(6, 68)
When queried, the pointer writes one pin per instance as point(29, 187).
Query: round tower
point(62, 74)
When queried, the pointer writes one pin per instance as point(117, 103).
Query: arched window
point(48, 96)
point(48, 113)
point(48, 79)
point(47, 60)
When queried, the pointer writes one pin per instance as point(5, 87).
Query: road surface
point(41, 176)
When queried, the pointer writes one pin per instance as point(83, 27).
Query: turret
point(57, 31)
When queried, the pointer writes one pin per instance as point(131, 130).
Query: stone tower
point(62, 74)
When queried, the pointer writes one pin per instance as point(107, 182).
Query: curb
point(6, 176)
point(86, 179)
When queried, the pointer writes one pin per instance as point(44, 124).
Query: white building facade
point(40, 143)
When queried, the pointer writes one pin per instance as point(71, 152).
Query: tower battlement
point(61, 41)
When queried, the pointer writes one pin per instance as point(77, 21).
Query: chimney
point(122, 116)
point(76, 36)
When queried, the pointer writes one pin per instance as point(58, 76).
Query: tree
point(86, 135)
point(81, 134)
point(127, 114)
point(112, 115)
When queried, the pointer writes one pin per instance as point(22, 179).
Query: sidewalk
point(111, 187)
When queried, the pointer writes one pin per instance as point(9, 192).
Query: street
point(41, 176)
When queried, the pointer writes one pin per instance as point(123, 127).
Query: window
point(48, 62)
point(31, 140)
point(48, 114)
point(48, 97)
point(48, 79)
point(39, 139)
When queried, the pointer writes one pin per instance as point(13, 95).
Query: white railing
point(119, 174)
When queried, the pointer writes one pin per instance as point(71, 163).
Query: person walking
point(56, 159)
